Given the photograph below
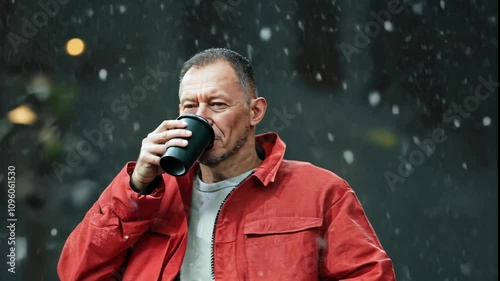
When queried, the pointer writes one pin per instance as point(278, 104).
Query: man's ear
point(179, 109)
point(258, 108)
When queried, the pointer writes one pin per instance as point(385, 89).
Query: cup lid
point(205, 123)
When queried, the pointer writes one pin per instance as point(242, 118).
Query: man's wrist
point(144, 189)
point(137, 184)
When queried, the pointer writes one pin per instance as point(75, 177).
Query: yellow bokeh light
point(75, 47)
point(22, 115)
point(382, 137)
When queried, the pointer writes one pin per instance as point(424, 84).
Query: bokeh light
point(75, 47)
point(22, 115)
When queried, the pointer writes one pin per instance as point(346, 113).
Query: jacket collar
point(273, 150)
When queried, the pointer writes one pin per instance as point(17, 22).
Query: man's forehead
point(190, 85)
point(206, 86)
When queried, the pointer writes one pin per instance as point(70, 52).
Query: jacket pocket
point(282, 248)
point(281, 225)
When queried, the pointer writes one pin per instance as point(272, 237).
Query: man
point(241, 213)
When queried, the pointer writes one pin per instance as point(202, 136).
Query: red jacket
point(289, 220)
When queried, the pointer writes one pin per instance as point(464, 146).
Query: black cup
point(178, 160)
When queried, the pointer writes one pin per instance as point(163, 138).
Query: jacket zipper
point(212, 260)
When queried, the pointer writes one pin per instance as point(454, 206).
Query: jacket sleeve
point(352, 250)
point(97, 247)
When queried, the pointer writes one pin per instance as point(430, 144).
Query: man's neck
point(242, 161)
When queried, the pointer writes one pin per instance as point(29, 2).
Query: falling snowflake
point(388, 26)
point(395, 109)
point(349, 156)
point(331, 137)
point(318, 77)
point(103, 74)
point(374, 98)
point(122, 9)
point(265, 34)
point(486, 121)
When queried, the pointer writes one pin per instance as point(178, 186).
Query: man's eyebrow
point(219, 95)
point(190, 98)
point(215, 95)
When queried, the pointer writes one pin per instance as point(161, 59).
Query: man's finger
point(170, 124)
point(164, 136)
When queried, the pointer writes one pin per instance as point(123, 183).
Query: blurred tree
point(33, 145)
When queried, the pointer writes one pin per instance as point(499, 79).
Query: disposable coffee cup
point(178, 160)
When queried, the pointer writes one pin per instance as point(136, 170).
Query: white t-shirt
point(205, 203)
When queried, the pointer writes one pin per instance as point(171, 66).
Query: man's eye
point(218, 105)
point(189, 106)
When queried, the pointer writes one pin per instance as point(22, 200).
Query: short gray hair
point(239, 63)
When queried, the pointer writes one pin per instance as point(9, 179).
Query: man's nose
point(205, 112)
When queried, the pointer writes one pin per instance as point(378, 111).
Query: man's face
point(213, 92)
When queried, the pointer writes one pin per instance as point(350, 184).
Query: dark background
point(357, 115)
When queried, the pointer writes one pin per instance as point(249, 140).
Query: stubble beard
point(216, 160)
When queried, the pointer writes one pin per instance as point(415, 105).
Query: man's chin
point(208, 159)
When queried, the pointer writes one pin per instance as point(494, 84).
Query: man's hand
point(147, 168)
